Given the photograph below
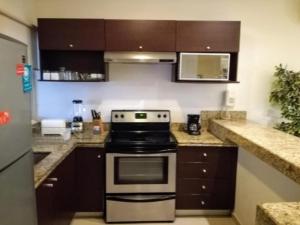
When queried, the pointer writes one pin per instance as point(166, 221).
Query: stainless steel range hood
point(140, 57)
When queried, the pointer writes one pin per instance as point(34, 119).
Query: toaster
point(53, 127)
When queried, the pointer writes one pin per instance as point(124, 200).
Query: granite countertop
point(278, 149)
point(282, 213)
point(205, 139)
point(59, 150)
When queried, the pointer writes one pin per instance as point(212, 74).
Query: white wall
point(269, 36)
point(130, 86)
point(22, 10)
point(257, 183)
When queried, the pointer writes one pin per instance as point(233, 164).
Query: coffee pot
point(193, 125)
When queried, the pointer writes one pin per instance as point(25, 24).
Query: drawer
point(139, 208)
point(205, 201)
point(206, 154)
point(201, 186)
point(206, 170)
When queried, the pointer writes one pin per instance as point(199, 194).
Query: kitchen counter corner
point(282, 213)
point(59, 150)
point(276, 148)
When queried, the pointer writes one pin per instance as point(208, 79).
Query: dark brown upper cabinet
point(71, 34)
point(207, 36)
point(140, 35)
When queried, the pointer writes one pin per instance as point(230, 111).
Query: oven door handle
point(140, 151)
point(152, 198)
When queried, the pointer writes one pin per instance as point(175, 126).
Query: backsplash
point(143, 86)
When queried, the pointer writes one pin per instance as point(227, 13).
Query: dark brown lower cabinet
point(77, 184)
point(206, 177)
point(90, 180)
point(55, 198)
point(45, 201)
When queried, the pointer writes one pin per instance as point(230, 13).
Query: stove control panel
point(140, 116)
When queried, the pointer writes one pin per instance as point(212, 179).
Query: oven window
point(141, 170)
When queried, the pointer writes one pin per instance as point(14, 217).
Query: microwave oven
point(204, 66)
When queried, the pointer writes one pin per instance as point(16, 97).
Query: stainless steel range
point(140, 167)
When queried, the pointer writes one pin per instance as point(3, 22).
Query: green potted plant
point(285, 93)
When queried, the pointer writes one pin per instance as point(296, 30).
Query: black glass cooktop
point(141, 140)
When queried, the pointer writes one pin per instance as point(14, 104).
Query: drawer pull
point(208, 47)
point(205, 155)
point(203, 203)
point(71, 45)
point(48, 185)
point(140, 47)
point(204, 171)
point(203, 187)
point(99, 156)
point(52, 179)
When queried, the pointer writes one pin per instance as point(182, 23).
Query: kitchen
point(261, 177)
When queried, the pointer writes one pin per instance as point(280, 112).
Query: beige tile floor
point(179, 221)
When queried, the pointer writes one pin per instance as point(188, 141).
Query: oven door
point(140, 173)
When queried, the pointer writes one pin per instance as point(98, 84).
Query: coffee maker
point(193, 125)
point(77, 123)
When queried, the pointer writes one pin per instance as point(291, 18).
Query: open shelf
point(85, 62)
point(76, 81)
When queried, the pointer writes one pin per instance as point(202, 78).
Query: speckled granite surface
point(206, 116)
point(278, 149)
point(205, 139)
point(282, 213)
point(60, 150)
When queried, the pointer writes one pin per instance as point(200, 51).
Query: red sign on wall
point(4, 118)
point(20, 69)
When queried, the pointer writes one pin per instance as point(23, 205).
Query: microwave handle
point(141, 198)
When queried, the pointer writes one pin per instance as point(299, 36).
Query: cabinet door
point(90, 180)
point(64, 180)
point(45, 204)
point(55, 196)
point(140, 35)
point(208, 36)
point(71, 34)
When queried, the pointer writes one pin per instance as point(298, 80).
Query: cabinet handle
point(99, 156)
point(208, 47)
point(203, 187)
point(203, 203)
point(48, 185)
point(52, 179)
point(205, 155)
point(71, 45)
point(140, 47)
point(204, 170)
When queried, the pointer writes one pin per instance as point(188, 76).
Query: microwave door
point(204, 66)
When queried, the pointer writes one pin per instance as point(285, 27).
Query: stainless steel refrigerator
point(17, 195)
